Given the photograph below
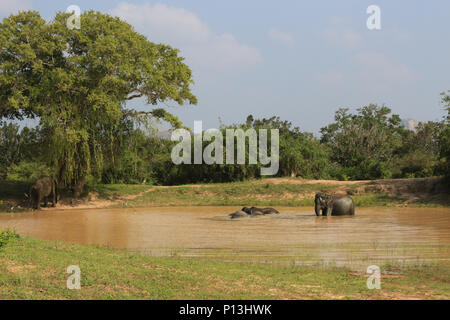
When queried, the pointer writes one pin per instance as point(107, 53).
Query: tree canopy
point(364, 142)
point(77, 82)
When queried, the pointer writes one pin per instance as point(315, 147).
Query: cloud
point(281, 37)
point(380, 73)
point(338, 33)
point(184, 30)
point(13, 6)
point(346, 38)
point(372, 75)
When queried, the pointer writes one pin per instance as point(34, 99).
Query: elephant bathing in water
point(238, 214)
point(43, 189)
point(334, 205)
point(252, 212)
point(259, 211)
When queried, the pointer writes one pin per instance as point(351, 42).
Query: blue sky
point(300, 60)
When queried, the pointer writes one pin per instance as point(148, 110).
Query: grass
point(13, 199)
point(230, 194)
point(258, 193)
point(269, 194)
point(109, 191)
point(36, 269)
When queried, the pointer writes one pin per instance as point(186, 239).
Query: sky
point(299, 60)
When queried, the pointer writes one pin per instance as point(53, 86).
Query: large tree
point(365, 142)
point(77, 82)
point(444, 137)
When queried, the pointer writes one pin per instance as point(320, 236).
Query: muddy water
point(295, 236)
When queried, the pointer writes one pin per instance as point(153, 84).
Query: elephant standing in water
point(42, 190)
point(334, 205)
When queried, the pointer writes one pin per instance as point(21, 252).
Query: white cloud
point(380, 73)
point(373, 76)
point(346, 38)
point(281, 37)
point(378, 68)
point(184, 30)
point(338, 33)
point(12, 6)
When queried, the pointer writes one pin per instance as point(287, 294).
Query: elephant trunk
point(317, 208)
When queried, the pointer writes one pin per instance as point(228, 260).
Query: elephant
point(269, 211)
point(334, 205)
point(238, 214)
point(43, 189)
point(253, 211)
point(259, 211)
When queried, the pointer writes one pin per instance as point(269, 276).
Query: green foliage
point(6, 236)
point(444, 139)
point(138, 156)
point(301, 154)
point(15, 146)
point(364, 143)
point(28, 170)
point(419, 154)
point(76, 83)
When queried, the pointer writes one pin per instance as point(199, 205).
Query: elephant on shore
point(43, 189)
point(334, 205)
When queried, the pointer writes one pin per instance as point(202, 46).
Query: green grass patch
point(108, 191)
point(6, 236)
point(35, 269)
point(266, 192)
point(231, 194)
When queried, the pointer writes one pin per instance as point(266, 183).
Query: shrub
point(6, 236)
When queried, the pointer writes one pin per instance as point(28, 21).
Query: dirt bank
point(270, 191)
point(405, 192)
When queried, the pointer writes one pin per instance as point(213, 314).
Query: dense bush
point(369, 144)
point(6, 236)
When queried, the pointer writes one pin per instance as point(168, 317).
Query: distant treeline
point(369, 144)
point(78, 83)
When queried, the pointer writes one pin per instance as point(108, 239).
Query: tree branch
point(138, 95)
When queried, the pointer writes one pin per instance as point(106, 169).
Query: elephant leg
point(45, 202)
point(39, 199)
point(54, 197)
point(328, 212)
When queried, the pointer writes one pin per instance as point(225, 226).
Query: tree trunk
point(78, 187)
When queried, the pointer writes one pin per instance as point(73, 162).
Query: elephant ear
point(326, 199)
point(320, 197)
point(329, 200)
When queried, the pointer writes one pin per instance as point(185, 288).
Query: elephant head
point(322, 202)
